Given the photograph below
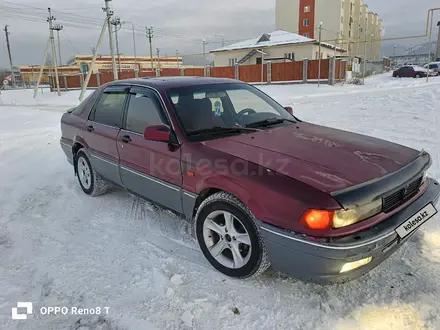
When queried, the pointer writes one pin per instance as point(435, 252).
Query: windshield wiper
point(222, 130)
point(270, 121)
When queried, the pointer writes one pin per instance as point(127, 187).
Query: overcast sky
point(179, 24)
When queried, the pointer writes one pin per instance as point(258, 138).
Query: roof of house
point(275, 38)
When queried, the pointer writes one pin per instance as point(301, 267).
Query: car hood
point(325, 158)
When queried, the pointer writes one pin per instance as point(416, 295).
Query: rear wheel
point(90, 181)
point(229, 238)
point(418, 76)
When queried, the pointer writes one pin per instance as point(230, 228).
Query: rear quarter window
point(108, 110)
point(86, 104)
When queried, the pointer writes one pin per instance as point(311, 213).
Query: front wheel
point(418, 76)
point(229, 238)
point(397, 76)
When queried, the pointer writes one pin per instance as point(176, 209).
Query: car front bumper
point(315, 261)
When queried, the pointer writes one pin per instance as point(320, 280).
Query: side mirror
point(160, 133)
point(289, 110)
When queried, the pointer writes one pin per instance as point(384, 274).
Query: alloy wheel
point(84, 173)
point(227, 239)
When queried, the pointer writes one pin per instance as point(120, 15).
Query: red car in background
point(261, 186)
point(413, 71)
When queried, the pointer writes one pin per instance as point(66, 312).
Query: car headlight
point(325, 219)
point(344, 218)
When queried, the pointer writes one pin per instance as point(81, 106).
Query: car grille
point(398, 198)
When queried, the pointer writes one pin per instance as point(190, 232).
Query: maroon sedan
point(261, 186)
point(410, 71)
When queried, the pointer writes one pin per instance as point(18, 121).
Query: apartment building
point(347, 23)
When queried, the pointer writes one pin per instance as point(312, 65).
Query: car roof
point(175, 81)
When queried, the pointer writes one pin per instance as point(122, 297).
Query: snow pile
point(388, 317)
point(431, 245)
point(44, 99)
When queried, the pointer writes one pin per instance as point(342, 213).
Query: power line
point(70, 42)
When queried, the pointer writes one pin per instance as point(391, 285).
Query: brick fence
point(302, 71)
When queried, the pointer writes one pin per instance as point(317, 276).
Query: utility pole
point(437, 54)
point(134, 45)
point(204, 52)
point(149, 31)
point(178, 62)
point(430, 39)
point(105, 25)
point(50, 20)
point(10, 56)
point(394, 56)
point(319, 53)
point(58, 28)
point(109, 14)
point(117, 23)
point(40, 74)
point(158, 57)
point(223, 39)
point(365, 51)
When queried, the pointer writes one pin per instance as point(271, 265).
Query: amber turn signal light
point(318, 219)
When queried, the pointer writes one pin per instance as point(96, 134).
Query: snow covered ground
point(59, 247)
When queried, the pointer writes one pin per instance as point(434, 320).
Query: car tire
point(234, 246)
point(418, 76)
point(397, 76)
point(90, 181)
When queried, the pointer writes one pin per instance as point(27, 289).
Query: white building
point(277, 46)
point(347, 23)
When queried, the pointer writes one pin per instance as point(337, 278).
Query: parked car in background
point(434, 66)
point(261, 186)
point(413, 71)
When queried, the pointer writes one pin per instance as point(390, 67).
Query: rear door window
point(108, 110)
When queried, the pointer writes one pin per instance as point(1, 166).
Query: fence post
point(157, 72)
point(207, 72)
point(49, 77)
point(305, 67)
point(269, 72)
point(331, 74)
point(345, 62)
point(236, 71)
point(65, 81)
point(182, 71)
point(136, 73)
point(98, 79)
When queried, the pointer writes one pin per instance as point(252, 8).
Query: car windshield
point(219, 109)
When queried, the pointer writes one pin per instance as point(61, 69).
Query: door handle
point(90, 128)
point(126, 139)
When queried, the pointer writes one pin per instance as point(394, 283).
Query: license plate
point(416, 220)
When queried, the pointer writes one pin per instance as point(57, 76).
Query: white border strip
point(103, 159)
point(149, 178)
point(190, 195)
